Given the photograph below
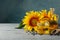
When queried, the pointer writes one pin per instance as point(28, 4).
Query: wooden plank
point(8, 32)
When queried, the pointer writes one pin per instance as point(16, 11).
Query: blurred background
point(12, 11)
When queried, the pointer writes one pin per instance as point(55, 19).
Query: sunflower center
point(33, 21)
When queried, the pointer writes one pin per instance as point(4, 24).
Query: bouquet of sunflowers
point(40, 22)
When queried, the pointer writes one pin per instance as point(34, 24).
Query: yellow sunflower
point(46, 21)
point(30, 20)
point(42, 22)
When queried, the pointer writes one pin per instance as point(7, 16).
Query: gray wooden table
point(8, 32)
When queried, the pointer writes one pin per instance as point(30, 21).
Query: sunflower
point(46, 21)
point(41, 22)
point(30, 20)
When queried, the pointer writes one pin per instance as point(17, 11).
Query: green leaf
point(20, 26)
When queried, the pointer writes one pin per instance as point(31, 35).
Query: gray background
point(12, 11)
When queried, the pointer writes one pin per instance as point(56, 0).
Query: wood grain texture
point(8, 32)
